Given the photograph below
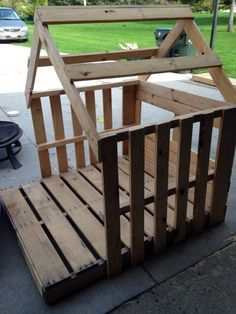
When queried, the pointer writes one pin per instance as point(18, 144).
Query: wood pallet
point(59, 223)
point(117, 207)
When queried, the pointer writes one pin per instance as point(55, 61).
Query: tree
point(231, 17)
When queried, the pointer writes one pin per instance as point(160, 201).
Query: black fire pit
point(10, 133)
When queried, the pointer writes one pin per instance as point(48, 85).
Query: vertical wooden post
point(55, 102)
point(136, 187)
point(79, 147)
point(204, 147)
point(182, 176)
point(161, 185)
point(90, 105)
point(40, 136)
point(107, 108)
point(109, 158)
point(130, 111)
point(223, 168)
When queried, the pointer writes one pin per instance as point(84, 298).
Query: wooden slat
point(224, 162)
point(204, 146)
point(44, 260)
point(136, 155)
point(79, 146)
point(182, 177)
point(91, 108)
point(79, 14)
point(32, 67)
point(77, 72)
point(130, 110)
point(161, 186)
point(107, 108)
point(86, 191)
point(82, 217)
point(164, 103)
point(217, 74)
point(58, 125)
point(102, 56)
point(111, 204)
point(74, 250)
point(40, 136)
point(191, 100)
point(71, 91)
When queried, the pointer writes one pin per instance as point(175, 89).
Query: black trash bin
point(183, 47)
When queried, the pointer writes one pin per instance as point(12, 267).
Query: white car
point(11, 26)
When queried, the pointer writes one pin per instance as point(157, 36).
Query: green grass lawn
point(104, 37)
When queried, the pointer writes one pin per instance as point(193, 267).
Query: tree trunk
point(231, 17)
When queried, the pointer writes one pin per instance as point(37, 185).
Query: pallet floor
point(59, 226)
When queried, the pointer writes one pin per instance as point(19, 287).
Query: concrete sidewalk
point(168, 283)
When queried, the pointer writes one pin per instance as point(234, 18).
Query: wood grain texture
point(111, 204)
point(136, 188)
point(223, 168)
point(40, 136)
point(78, 14)
point(182, 177)
point(58, 125)
point(79, 72)
point(203, 156)
point(161, 186)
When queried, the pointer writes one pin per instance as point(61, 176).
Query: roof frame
point(45, 16)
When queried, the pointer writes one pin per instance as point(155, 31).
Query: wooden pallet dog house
point(82, 224)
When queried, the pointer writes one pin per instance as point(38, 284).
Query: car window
point(8, 15)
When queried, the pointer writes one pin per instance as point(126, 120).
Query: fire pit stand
point(10, 134)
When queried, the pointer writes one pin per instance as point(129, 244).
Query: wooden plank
point(204, 147)
point(111, 204)
point(71, 91)
point(45, 262)
point(79, 146)
point(91, 108)
point(77, 71)
point(161, 186)
point(136, 187)
point(193, 101)
point(40, 136)
point(32, 67)
point(164, 103)
point(224, 163)
point(79, 213)
point(205, 78)
point(221, 80)
point(78, 14)
point(182, 177)
point(130, 110)
point(71, 245)
point(107, 108)
point(58, 125)
point(101, 56)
